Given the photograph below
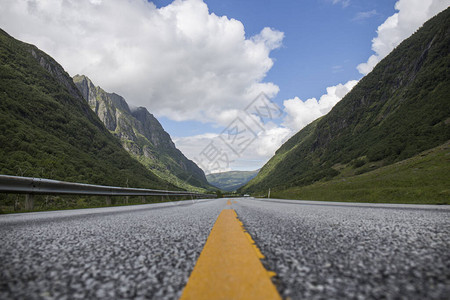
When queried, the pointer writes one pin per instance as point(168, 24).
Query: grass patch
point(14, 203)
point(422, 179)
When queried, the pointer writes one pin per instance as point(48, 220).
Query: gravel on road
point(352, 251)
point(134, 252)
point(318, 250)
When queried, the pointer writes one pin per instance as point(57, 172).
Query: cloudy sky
point(204, 68)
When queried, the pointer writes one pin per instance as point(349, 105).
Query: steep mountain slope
point(232, 180)
point(398, 110)
point(142, 136)
point(48, 130)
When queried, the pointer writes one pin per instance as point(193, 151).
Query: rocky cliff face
point(142, 136)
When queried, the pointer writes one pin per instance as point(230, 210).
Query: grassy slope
point(280, 157)
point(422, 179)
point(47, 129)
point(398, 110)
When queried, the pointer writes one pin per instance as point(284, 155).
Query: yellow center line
point(229, 267)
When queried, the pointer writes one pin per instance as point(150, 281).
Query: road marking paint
point(234, 201)
point(229, 202)
point(229, 266)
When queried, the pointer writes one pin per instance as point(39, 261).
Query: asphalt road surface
point(318, 250)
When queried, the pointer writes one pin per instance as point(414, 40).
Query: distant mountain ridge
point(232, 180)
point(398, 110)
point(48, 130)
point(141, 134)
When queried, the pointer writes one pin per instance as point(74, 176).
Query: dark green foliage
point(10, 203)
point(358, 163)
point(48, 130)
point(219, 194)
point(398, 110)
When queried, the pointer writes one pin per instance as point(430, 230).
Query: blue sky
point(197, 64)
point(323, 44)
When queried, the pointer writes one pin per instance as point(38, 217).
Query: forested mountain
point(232, 180)
point(48, 129)
point(398, 110)
point(142, 136)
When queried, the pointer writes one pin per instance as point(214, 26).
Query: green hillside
point(48, 130)
point(421, 179)
point(232, 180)
point(397, 111)
point(141, 134)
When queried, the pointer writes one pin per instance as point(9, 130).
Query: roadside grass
point(13, 203)
point(422, 179)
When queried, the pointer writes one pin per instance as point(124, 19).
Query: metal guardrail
point(31, 185)
point(40, 186)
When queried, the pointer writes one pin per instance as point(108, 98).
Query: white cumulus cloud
point(213, 153)
point(179, 61)
point(301, 113)
point(410, 16)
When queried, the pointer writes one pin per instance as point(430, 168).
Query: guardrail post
point(127, 199)
point(29, 202)
point(108, 200)
point(143, 199)
point(16, 203)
